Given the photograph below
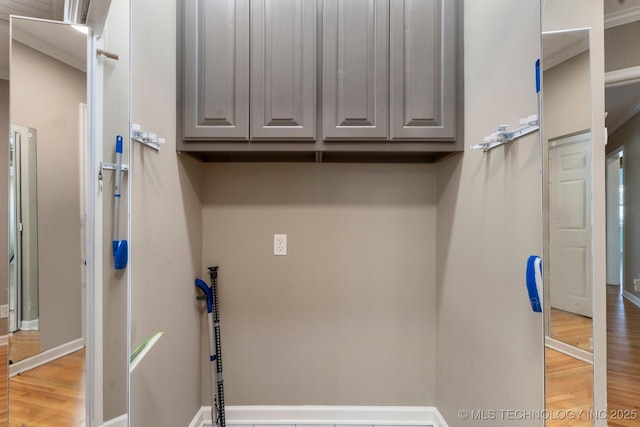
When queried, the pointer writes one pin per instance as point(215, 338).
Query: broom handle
point(116, 192)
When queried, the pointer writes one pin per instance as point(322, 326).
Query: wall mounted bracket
point(111, 167)
point(147, 138)
point(501, 136)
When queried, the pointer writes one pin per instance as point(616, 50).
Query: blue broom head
point(120, 254)
point(534, 282)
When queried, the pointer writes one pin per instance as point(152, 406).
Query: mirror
point(48, 86)
point(567, 180)
point(23, 244)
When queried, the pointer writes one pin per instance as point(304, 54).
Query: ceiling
point(55, 39)
point(43, 9)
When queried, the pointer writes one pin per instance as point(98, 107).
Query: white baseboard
point(631, 297)
point(45, 357)
point(30, 325)
point(326, 416)
point(120, 421)
point(569, 350)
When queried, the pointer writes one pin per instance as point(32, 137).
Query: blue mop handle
point(116, 204)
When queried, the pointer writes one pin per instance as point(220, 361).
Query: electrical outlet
point(279, 244)
point(4, 311)
point(636, 285)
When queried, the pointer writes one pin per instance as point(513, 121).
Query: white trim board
point(631, 297)
point(121, 421)
point(45, 357)
point(325, 416)
point(30, 325)
point(569, 350)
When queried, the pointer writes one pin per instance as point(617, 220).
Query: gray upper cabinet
point(422, 73)
point(319, 80)
point(216, 69)
point(283, 69)
point(355, 63)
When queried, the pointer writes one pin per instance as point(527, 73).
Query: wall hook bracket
point(146, 138)
point(501, 136)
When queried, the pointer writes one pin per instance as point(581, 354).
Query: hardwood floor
point(23, 344)
point(4, 375)
point(569, 389)
point(51, 395)
point(572, 329)
point(623, 357)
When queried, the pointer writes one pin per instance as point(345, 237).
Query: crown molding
point(622, 17)
point(50, 49)
point(565, 54)
point(624, 76)
point(631, 112)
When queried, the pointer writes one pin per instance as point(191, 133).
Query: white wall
point(490, 342)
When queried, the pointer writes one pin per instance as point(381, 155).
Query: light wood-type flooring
point(569, 390)
point(4, 374)
point(569, 382)
point(51, 395)
point(573, 329)
point(623, 358)
point(23, 344)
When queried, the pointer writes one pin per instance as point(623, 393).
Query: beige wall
point(166, 241)
point(46, 95)
point(348, 316)
point(4, 196)
point(629, 137)
point(490, 342)
point(621, 46)
point(114, 286)
point(567, 97)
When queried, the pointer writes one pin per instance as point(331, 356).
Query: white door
point(570, 259)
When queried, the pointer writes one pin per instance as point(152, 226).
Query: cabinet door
point(216, 69)
point(422, 68)
point(283, 69)
point(355, 62)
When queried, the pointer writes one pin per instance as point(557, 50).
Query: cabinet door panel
point(283, 69)
point(422, 69)
point(355, 62)
point(216, 72)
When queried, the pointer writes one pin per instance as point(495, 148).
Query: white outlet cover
point(279, 244)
